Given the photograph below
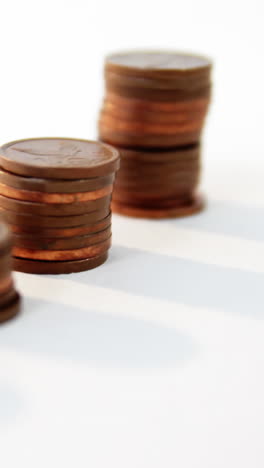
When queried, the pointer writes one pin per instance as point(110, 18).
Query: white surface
point(156, 358)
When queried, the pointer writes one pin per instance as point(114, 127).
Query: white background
point(155, 359)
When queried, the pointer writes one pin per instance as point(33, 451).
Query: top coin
point(59, 158)
point(159, 62)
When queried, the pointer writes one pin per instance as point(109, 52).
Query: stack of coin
point(55, 194)
point(154, 112)
point(9, 298)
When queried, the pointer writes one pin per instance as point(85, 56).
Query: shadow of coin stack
point(9, 298)
point(55, 194)
point(154, 111)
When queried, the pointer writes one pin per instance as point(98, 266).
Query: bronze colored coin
point(63, 233)
point(136, 105)
point(188, 154)
point(149, 128)
point(5, 264)
point(5, 239)
point(156, 201)
point(157, 170)
point(55, 268)
point(157, 64)
point(62, 255)
point(6, 283)
point(171, 192)
point(162, 95)
point(159, 159)
point(43, 243)
point(59, 158)
point(7, 296)
point(142, 182)
point(11, 309)
point(14, 217)
point(151, 213)
point(53, 198)
point(156, 186)
point(160, 117)
point(56, 210)
point(140, 140)
point(55, 185)
point(182, 83)
point(152, 193)
point(154, 196)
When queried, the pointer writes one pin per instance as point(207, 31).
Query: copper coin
point(162, 201)
point(14, 217)
point(65, 233)
point(40, 197)
point(55, 268)
point(151, 213)
point(139, 139)
point(56, 210)
point(61, 255)
point(183, 82)
point(11, 309)
point(59, 158)
point(144, 127)
point(136, 105)
point(158, 117)
point(150, 128)
point(6, 283)
point(5, 239)
point(46, 243)
point(142, 182)
point(125, 196)
point(158, 162)
point(7, 296)
point(5, 264)
point(162, 95)
point(55, 185)
point(158, 65)
point(153, 197)
point(156, 170)
point(180, 155)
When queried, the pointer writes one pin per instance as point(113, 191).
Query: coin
point(52, 232)
point(55, 185)
point(14, 217)
point(186, 155)
point(5, 239)
point(11, 309)
point(162, 95)
point(5, 264)
point(61, 255)
point(7, 297)
point(55, 210)
point(62, 267)
point(40, 197)
point(49, 243)
point(158, 65)
point(136, 139)
point(6, 283)
point(158, 213)
point(59, 158)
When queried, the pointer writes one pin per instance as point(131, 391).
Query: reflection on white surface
point(58, 331)
point(12, 404)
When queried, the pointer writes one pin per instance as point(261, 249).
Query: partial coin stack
point(154, 112)
point(55, 194)
point(9, 298)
